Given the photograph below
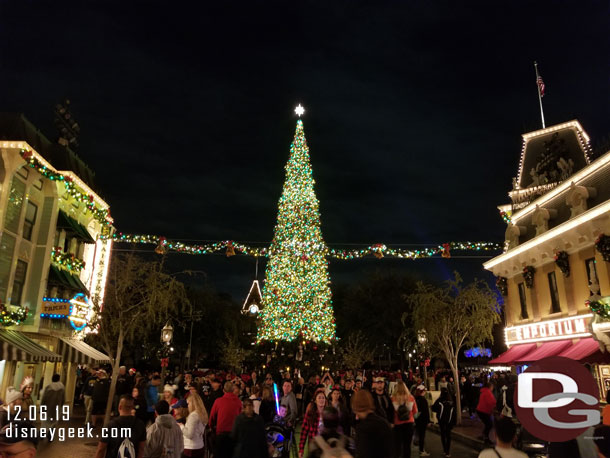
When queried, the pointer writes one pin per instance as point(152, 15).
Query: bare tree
point(454, 316)
point(232, 354)
point(356, 351)
point(139, 297)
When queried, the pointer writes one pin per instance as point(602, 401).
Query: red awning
point(545, 350)
point(581, 349)
point(514, 353)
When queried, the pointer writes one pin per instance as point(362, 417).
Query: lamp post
point(166, 337)
point(410, 355)
point(422, 340)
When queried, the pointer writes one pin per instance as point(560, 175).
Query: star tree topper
point(299, 110)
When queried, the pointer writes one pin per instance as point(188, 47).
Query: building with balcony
point(555, 264)
point(53, 262)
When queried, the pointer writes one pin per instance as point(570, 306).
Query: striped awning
point(77, 351)
point(15, 346)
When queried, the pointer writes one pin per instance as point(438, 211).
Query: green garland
point(100, 214)
point(12, 317)
point(66, 260)
point(601, 307)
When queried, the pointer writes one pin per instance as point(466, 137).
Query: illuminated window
point(555, 306)
point(19, 282)
point(30, 219)
point(523, 301)
point(592, 274)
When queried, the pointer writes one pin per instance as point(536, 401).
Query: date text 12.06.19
point(41, 413)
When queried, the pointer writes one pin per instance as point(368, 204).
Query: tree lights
point(296, 294)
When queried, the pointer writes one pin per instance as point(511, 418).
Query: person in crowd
point(422, 418)
point(374, 437)
point(152, 396)
point(328, 383)
point(446, 415)
point(181, 412)
point(267, 407)
point(223, 414)
point(27, 386)
point(13, 398)
point(268, 380)
point(168, 395)
point(335, 399)
point(99, 397)
point(87, 393)
point(248, 434)
point(253, 379)
point(405, 408)
point(194, 427)
point(289, 401)
point(216, 392)
point(383, 402)
point(16, 440)
point(330, 437)
point(53, 399)
point(139, 405)
point(256, 399)
point(485, 408)
point(123, 386)
point(312, 419)
point(164, 437)
point(506, 430)
point(606, 411)
point(347, 392)
point(299, 393)
point(128, 427)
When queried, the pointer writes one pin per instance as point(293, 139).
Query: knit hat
point(12, 395)
point(362, 401)
point(171, 388)
point(421, 387)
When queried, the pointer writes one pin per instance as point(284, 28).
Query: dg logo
point(556, 399)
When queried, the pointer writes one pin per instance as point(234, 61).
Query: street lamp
point(410, 355)
point(422, 337)
point(167, 333)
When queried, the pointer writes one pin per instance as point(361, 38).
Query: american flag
point(540, 85)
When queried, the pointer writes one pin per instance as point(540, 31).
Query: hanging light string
point(231, 248)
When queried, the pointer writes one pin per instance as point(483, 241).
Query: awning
point(514, 353)
point(545, 350)
point(77, 351)
point(63, 278)
point(14, 346)
point(77, 229)
point(582, 349)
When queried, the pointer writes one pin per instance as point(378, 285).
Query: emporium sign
point(564, 328)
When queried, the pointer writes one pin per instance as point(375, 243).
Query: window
point(14, 205)
point(592, 276)
point(555, 306)
point(523, 301)
point(30, 219)
point(38, 184)
point(23, 172)
point(19, 282)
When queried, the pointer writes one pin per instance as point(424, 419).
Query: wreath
point(561, 259)
point(502, 285)
point(528, 275)
point(603, 246)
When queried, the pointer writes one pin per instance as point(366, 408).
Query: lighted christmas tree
point(296, 294)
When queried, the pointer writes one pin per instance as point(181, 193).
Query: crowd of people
point(222, 415)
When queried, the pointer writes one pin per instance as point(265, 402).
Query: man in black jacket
point(383, 403)
point(374, 438)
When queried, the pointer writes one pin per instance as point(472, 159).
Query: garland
point(600, 306)
point(506, 217)
point(603, 246)
point(66, 260)
point(13, 316)
point(100, 214)
point(303, 251)
point(561, 259)
point(502, 285)
point(528, 275)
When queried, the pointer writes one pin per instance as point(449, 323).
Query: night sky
point(414, 117)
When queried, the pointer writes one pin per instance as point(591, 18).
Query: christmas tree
point(296, 294)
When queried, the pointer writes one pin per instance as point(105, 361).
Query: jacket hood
point(55, 386)
point(166, 421)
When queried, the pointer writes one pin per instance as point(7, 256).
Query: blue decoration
point(477, 351)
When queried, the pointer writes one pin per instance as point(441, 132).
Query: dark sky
point(414, 118)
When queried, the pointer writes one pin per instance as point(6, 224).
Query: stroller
point(280, 440)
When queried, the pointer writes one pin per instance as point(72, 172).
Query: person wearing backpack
point(447, 417)
point(164, 436)
point(331, 443)
point(132, 434)
point(404, 422)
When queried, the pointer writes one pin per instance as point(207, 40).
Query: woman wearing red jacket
point(486, 406)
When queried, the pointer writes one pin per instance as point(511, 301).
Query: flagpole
point(539, 94)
